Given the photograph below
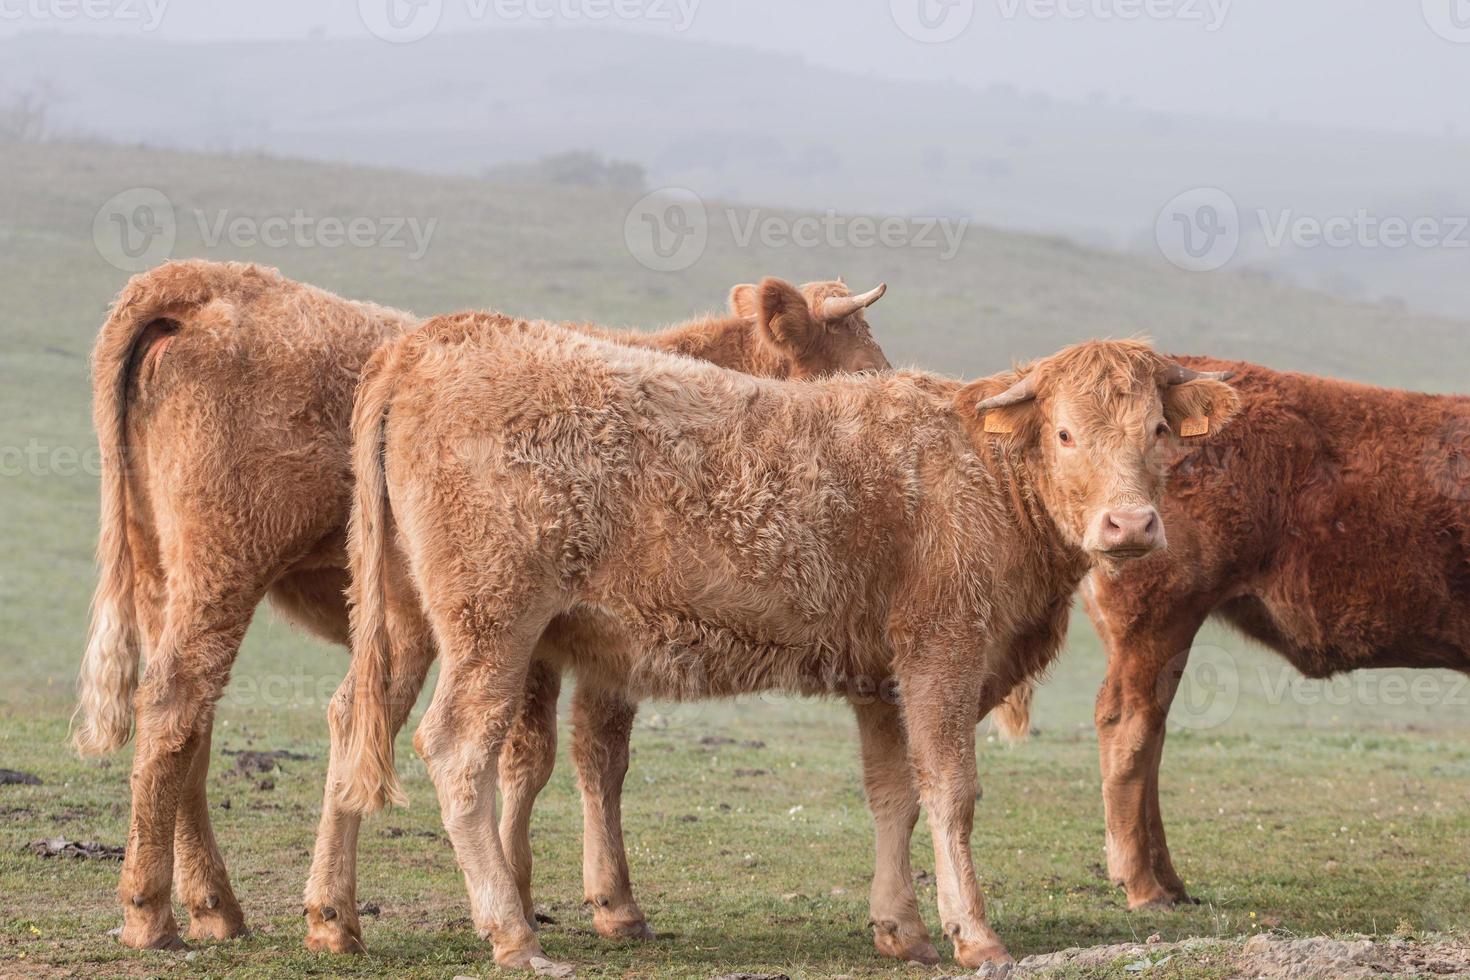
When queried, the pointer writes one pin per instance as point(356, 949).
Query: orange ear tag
point(998, 424)
point(1197, 426)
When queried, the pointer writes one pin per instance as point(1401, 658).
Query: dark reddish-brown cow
point(1331, 522)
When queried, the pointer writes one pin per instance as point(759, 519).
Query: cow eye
point(1064, 437)
point(1161, 430)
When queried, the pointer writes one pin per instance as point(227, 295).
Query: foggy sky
point(1358, 64)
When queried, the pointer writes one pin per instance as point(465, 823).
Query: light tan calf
point(222, 397)
point(717, 534)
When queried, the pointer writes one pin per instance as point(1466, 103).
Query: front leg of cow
point(1144, 666)
point(602, 727)
point(940, 713)
point(898, 929)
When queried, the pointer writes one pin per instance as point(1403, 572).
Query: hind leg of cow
point(476, 703)
point(1144, 664)
point(526, 762)
point(332, 923)
point(187, 672)
point(898, 928)
point(939, 719)
point(602, 728)
point(200, 878)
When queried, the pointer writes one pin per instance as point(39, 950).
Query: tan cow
point(670, 529)
point(222, 397)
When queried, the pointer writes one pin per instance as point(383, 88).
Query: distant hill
point(746, 125)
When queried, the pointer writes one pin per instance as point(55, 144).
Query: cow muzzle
point(1127, 533)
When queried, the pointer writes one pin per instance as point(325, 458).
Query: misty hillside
point(763, 127)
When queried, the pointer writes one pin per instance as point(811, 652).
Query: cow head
point(1098, 422)
point(817, 330)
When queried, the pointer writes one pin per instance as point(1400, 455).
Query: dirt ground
point(1262, 956)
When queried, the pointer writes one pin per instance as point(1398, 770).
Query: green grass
point(1304, 817)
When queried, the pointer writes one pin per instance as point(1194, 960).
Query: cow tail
point(371, 780)
point(1013, 715)
point(103, 720)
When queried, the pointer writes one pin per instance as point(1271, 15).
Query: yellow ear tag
point(998, 424)
point(1197, 426)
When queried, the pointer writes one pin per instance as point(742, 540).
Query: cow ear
point(1017, 424)
point(783, 316)
point(743, 301)
point(1201, 407)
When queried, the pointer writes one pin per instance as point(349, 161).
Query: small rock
point(191, 956)
point(1154, 940)
point(546, 968)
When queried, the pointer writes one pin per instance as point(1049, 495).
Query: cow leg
point(1132, 709)
point(187, 672)
point(200, 877)
point(602, 728)
point(332, 923)
point(526, 761)
point(940, 717)
point(898, 928)
point(482, 683)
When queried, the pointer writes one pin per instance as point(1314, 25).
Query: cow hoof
point(334, 934)
point(976, 955)
point(627, 926)
point(224, 921)
point(1154, 903)
point(907, 944)
point(146, 927)
point(519, 957)
point(143, 939)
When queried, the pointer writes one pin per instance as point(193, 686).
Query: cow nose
point(1131, 533)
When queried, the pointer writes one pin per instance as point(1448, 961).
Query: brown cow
point(670, 529)
point(1331, 523)
point(223, 394)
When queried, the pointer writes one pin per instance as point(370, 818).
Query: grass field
point(1291, 807)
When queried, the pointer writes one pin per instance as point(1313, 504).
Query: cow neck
point(729, 342)
point(1067, 564)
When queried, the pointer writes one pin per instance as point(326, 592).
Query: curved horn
point(1022, 391)
point(1178, 374)
point(838, 307)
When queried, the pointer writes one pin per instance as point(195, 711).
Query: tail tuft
point(1013, 716)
